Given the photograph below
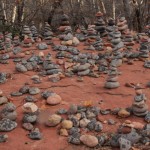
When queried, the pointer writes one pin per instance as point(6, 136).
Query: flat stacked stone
point(100, 26)
point(139, 107)
point(122, 24)
point(51, 68)
point(47, 32)
point(82, 69)
point(93, 39)
point(34, 31)
point(112, 80)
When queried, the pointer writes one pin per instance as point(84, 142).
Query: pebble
point(3, 138)
point(53, 120)
point(147, 117)
point(21, 68)
point(63, 132)
point(34, 90)
point(89, 140)
point(67, 124)
point(16, 94)
point(27, 126)
point(7, 125)
point(30, 107)
point(62, 111)
point(84, 122)
point(35, 134)
point(54, 99)
point(73, 109)
point(74, 139)
point(111, 122)
point(123, 113)
point(3, 100)
point(30, 98)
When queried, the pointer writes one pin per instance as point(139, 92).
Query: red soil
point(72, 92)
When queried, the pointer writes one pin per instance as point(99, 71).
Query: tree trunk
point(114, 9)
point(3, 10)
point(127, 11)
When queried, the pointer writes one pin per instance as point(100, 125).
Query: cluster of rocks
point(139, 107)
point(47, 33)
point(100, 25)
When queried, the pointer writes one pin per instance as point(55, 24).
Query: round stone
point(67, 124)
point(53, 120)
point(27, 126)
point(54, 99)
point(34, 90)
point(3, 100)
point(89, 140)
point(30, 107)
point(123, 113)
point(84, 122)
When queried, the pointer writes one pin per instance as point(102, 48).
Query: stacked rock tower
point(100, 25)
point(139, 107)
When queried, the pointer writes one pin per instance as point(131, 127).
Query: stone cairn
point(47, 32)
point(34, 31)
point(93, 40)
point(26, 32)
point(65, 31)
point(8, 44)
point(122, 25)
point(82, 35)
point(9, 112)
point(139, 107)
point(128, 39)
point(143, 51)
point(116, 40)
point(110, 28)
point(100, 25)
point(111, 82)
point(16, 41)
point(27, 37)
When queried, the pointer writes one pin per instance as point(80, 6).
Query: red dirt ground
point(73, 92)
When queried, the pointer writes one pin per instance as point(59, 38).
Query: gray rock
point(35, 134)
point(42, 46)
point(21, 68)
point(29, 118)
point(98, 127)
point(112, 85)
point(2, 77)
point(16, 94)
point(34, 90)
point(27, 126)
point(3, 138)
point(7, 125)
